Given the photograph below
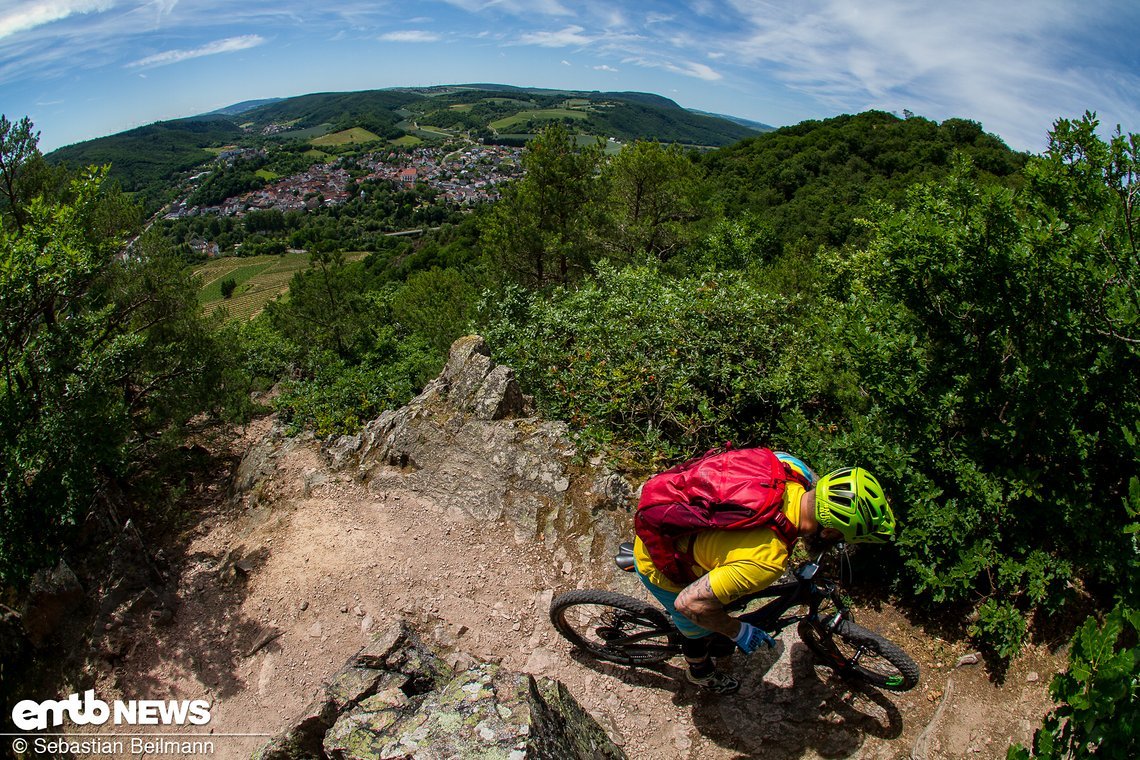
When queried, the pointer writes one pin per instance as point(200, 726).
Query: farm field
point(353, 136)
point(307, 133)
point(432, 132)
point(551, 114)
point(260, 279)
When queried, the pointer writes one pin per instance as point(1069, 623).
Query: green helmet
point(852, 501)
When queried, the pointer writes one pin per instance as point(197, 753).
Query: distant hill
point(340, 110)
point(811, 182)
point(140, 157)
point(242, 107)
point(758, 126)
point(149, 159)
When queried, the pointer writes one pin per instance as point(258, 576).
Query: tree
point(652, 194)
point(228, 286)
point(996, 340)
point(539, 232)
point(738, 243)
point(18, 146)
point(436, 304)
point(328, 308)
point(103, 359)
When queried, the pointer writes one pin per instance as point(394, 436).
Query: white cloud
point(515, 7)
point(1008, 65)
point(411, 35)
point(571, 35)
point(698, 70)
point(566, 62)
point(687, 68)
point(604, 67)
point(228, 45)
point(27, 16)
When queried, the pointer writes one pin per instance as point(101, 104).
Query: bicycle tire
point(614, 627)
point(858, 654)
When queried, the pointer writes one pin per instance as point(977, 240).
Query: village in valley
point(462, 177)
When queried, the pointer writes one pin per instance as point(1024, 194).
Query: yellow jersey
point(738, 562)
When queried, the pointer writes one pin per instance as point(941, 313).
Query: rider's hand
point(752, 638)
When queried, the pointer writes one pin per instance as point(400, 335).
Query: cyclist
point(847, 504)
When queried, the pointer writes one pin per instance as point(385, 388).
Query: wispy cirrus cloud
point(572, 35)
point(687, 68)
point(228, 45)
point(513, 7)
point(28, 16)
point(411, 35)
point(1009, 65)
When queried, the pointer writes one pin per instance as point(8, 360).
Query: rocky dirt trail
point(284, 584)
point(338, 563)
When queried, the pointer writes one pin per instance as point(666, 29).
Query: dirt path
point(335, 561)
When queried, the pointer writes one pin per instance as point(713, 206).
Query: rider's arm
point(743, 562)
point(698, 603)
point(744, 572)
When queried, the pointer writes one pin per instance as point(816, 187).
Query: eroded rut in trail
point(273, 601)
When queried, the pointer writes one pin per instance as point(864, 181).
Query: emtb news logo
point(30, 715)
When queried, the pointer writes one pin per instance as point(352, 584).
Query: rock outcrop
point(397, 699)
point(54, 596)
point(470, 443)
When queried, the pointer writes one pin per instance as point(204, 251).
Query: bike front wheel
point(615, 627)
point(861, 655)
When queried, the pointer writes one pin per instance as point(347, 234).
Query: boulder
point(54, 596)
point(135, 583)
point(397, 698)
point(470, 443)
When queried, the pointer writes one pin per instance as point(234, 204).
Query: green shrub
point(1099, 695)
point(994, 336)
point(436, 304)
point(655, 367)
point(106, 361)
point(341, 397)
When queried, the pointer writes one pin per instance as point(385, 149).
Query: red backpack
point(727, 489)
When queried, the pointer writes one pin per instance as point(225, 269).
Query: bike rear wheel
point(861, 655)
point(614, 627)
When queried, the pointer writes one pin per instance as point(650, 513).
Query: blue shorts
point(669, 600)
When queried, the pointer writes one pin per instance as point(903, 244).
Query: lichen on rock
point(397, 698)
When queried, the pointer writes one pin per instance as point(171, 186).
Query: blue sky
point(86, 68)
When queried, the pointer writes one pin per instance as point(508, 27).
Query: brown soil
point(324, 561)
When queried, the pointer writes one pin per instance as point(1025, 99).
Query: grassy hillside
point(144, 160)
point(354, 136)
point(260, 279)
point(372, 109)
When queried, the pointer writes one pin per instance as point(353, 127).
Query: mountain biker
point(847, 504)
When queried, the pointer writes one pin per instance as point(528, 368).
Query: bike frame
point(806, 589)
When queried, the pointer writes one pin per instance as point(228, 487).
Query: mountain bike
point(628, 631)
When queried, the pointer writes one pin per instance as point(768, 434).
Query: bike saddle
point(624, 557)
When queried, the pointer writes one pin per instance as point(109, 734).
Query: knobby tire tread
point(859, 636)
point(562, 603)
